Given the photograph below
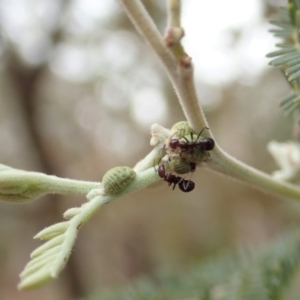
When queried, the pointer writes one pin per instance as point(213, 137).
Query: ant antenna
point(201, 132)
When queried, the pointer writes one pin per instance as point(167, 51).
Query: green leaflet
point(287, 21)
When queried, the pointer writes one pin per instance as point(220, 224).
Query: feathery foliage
point(262, 274)
point(49, 259)
point(288, 57)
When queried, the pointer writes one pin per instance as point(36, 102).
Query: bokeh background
point(79, 90)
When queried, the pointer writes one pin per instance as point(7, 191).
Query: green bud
point(116, 179)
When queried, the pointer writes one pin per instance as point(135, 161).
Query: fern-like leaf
point(291, 102)
point(288, 56)
point(49, 259)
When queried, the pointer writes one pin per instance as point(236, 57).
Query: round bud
point(181, 129)
point(181, 165)
point(116, 179)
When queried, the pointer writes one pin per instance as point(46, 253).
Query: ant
point(205, 144)
point(183, 184)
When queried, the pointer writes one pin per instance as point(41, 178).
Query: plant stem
point(181, 78)
point(58, 185)
point(146, 27)
point(21, 186)
point(223, 163)
point(174, 7)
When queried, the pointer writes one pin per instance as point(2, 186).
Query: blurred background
point(79, 92)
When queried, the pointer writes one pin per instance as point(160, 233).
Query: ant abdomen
point(183, 184)
point(206, 144)
point(186, 185)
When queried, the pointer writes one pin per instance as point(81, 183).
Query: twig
point(175, 60)
point(228, 165)
point(178, 70)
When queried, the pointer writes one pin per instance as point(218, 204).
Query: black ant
point(205, 144)
point(183, 184)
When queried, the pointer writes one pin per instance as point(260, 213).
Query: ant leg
point(192, 136)
point(186, 139)
point(173, 134)
point(175, 183)
point(193, 167)
point(200, 133)
point(180, 130)
point(179, 182)
point(186, 181)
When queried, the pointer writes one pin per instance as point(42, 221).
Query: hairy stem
point(19, 186)
point(57, 185)
point(228, 165)
point(180, 76)
point(173, 7)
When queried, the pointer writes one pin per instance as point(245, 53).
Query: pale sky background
point(211, 28)
point(210, 43)
point(218, 59)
